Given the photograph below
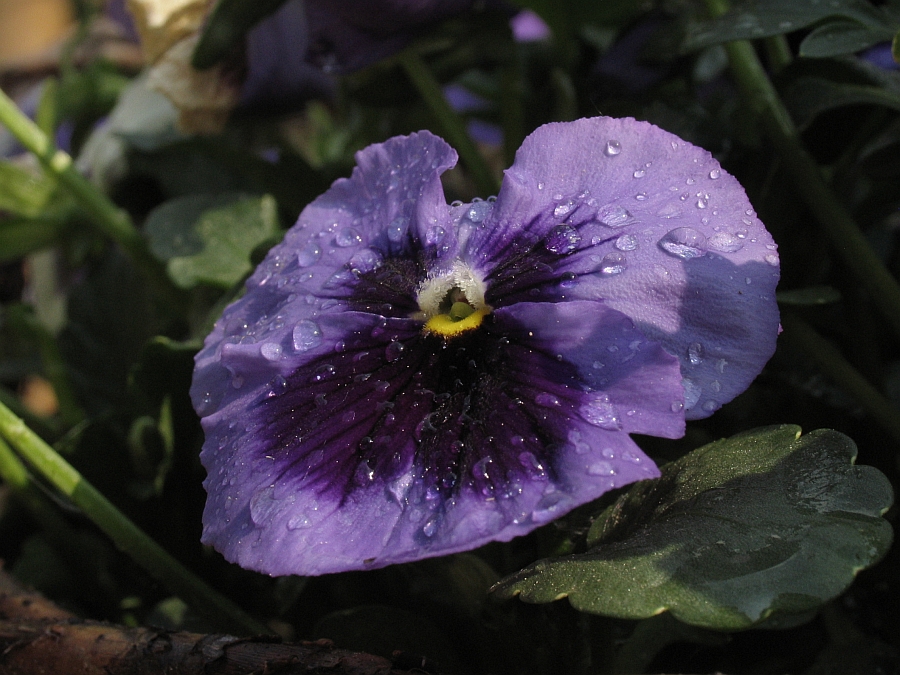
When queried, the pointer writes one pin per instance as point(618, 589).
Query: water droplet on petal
point(669, 211)
point(626, 242)
point(347, 236)
point(695, 353)
point(435, 235)
point(714, 174)
point(684, 243)
point(396, 230)
point(677, 406)
point(710, 406)
point(364, 261)
point(691, 393)
point(562, 239)
point(601, 413)
point(772, 259)
point(306, 335)
point(271, 351)
point(724, 242)
point(612, 148)
point(613, 263)
point(641, 196)
point(547, 400)
point(478, 211)
point(601, 468)
point(393, 351)
point(309, 254)
point(613, 215)
point(640, 173)
point(430, 527)
point(299, 521)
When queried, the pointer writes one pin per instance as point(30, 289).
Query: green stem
point(125, 534)
point(838, 224)
point(827, 357)
point(451, 123)
point(109, 219)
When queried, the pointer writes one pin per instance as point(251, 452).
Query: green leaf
point(763, 526)
point(755, 19)
point(228, 23)
point(842, 37)
point(204, 241)
point(22, 192)
point(809, 97)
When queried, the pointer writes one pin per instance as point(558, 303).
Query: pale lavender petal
point(624, 211)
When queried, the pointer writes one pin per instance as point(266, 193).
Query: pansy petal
point(632, 383)
point(624, 211)
point(388, 451)
point(341, 240)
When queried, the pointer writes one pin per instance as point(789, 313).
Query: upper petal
point(621, 210)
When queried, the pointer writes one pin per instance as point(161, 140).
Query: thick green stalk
point(124, 533)
point(451, 123)
point(106, 216)
point(838, 224)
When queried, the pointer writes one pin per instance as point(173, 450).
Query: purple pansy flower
point(405, 379)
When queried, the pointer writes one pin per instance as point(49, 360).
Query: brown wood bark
point(39, 638)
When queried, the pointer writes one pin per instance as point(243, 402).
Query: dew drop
point(612, 148)
point(271, 351)
point(695, 353)
point(684, 243)
point(691, 393)
point(641, 196)
point(677, 406)
point(547, 400)
point(298, 522)
point(640, 173)
point(396, 229)
point(347, 236)
point(306, 335)
point(430, 527)
point(772, 259)
point(601, 413)
point(364, 261)
point(601, 468)
point(724, 242)
point(714, 174)
point(710, 406)
point(562, 239)
point(435, 235)
point(393, 351)
point(613, 215)
point(669, 211)
point(613, 263)
point(626, 242)
point(478, 211)
point(309, 254)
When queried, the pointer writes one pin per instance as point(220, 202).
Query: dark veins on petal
point(463, 414)
point(530, 269)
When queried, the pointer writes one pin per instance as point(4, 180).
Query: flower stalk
point(124, 533)
point(451, 123)
point(837, 222)
point(106, 216)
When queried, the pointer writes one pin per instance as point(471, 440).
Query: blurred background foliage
point(98, 361)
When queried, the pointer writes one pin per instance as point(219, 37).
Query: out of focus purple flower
point(881, 56)
point(529, 27)
point(405, 379)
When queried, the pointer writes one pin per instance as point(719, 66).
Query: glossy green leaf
point(842, 37)
point(208, 239)
point(755, 19)
point(762, 527)
point(229, 22)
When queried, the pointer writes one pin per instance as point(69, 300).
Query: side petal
point(621, 210)
point(351, 246)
